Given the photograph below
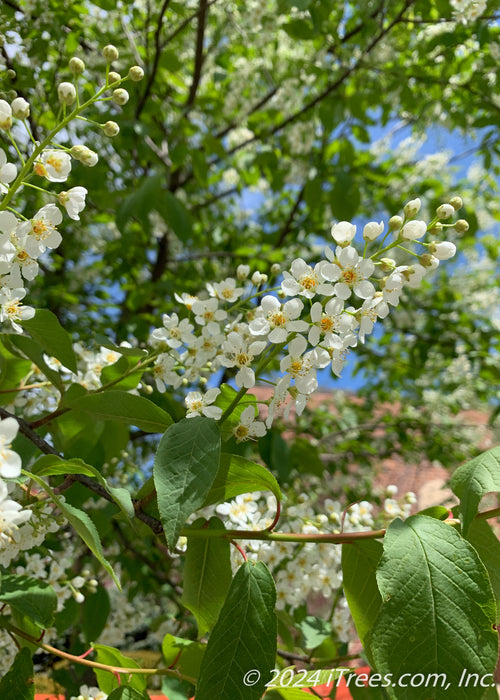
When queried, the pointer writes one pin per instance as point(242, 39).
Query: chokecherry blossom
point(10, 461)
point(198, 404)
point(277, 320)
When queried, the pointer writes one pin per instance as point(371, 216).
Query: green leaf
point(207, 575)
point(437, 612)
point(237, 475)
point(185, 466)
point(112, 657)
point(19, 683)
point(127, 692)
point(95, 611)
point(486, 544)
point(30, 597)
point(183, 655)
point(12, 370)
point(30, 348)
point(244, 638)
point(127, 408)
point(359, 564)
point(314, 631)
point(175, 214)
point(51, 337)
point(473, 480)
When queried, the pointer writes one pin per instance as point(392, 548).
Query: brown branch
point(156, 60)
point(184, 24)
point(199, 57)
point(288, 223)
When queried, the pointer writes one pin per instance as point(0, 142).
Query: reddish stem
point(240, 550)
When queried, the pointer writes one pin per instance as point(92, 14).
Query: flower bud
point(111, 129)
point(242, 272)
point(372, 230)
point(76, 65)
point(437, 228)
point(442, 250)
point(11, 74)
point(84, 155)
point(412, 207)
point(275, 269)
point(387, 264)
point(428, 260)
point(66, 93)
point(20, 108)
point(110, 53)
point(456, 203)
point(5, 115)
point(445, 211)
point(461, 226)
point(413, 230)
point(395, 223)
point(120, 96)
point(343, 233)
point(258, 278)
point(113, 77)
point(136, 73)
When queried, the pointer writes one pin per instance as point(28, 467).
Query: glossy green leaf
point(31, 349)
point(207, 575)
point(238, 475)
point(19, 683)
point(359, 564)
point(183, 654)
point(243, 640)
point(473, 480)
point(31, 597)
point(112, 657)
point(124, 408)
point(185, 466)
point(314, 631)
point(95, 612)
point(487, 545)
point(45, 328)
point(437, 611)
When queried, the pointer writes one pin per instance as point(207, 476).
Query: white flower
point(248, 427)
point(8, 226)
point(11, 308)
point(412, 207)
point(367, 315)
point(10, 461)
point(343, 232)
point(73, 201)
point(242, 510)
point(353, 273)
point(207, 313)
point(413, 274)
point(12, 514)
point(8, 172)
point(305, 280)
point(277, 320)
point(413, 230)
point(41, 232)
point(226, 290)
point(55, 165)
point(392, 286)
point(331, 320)
point(372, 230)
point(242, 272)
point(164, 373)
point(300, 366)
point(174, 333)
point(239, 352)
point(87, 693)
point(198, 404)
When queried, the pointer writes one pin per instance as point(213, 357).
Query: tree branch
point(288, 223)
point(156, 60)
point(199, 58)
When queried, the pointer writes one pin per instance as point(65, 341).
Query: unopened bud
point(11, 74)
point(428, 260)
point(66, 93)
point(111, 129)
point(442, 250)
point(136, 73)
point(395, 223)
point(110, 53)
point(76, 65)
point(445, 211)
point(275, 269)
point(461, 226)
point(387, 264)
point(437, 228)
point(456, 203)
point(84, 155)
point(242, 272)
point(20, 108)
point(113, 77)
point(412, 207)
point(5, 115)
point(120, 96)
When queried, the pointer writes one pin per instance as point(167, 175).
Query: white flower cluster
point(331, 307)
point(305, 571)
point(466, 11)
point(89, 693)
point(23, 240)
point(12, 514)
